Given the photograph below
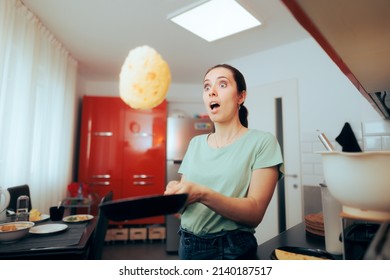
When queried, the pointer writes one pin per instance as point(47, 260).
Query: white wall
point(327, 97)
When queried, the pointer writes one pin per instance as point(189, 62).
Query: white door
point(261, 104)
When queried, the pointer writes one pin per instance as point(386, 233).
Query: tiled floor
point(137, 251)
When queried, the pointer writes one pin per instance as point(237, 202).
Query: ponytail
point(243, 115)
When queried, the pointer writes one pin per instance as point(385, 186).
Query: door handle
point(101, 176)
point(103, 133)
point(291, 175)
point(100, 183)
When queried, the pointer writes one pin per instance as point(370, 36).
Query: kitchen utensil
point(10, 232)
point(360, 182)
point(22, 204)
point(77, 218)
point(318, 253)
point(332, 222)
point(4, 202)
point(357, 237)
point(379, 247)
point(347, 140)
point(314, 224)
point(142, 207)
point(56, 213)
point(48, 229)
point(325, 141)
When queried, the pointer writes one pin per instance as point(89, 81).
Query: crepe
point(35, 215)
point(144, 79)
point(315, 223)
point(284, 255)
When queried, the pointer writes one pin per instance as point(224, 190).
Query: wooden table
point(72, 243)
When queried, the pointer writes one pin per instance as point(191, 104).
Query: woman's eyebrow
point(222, 77)
point(218, 78)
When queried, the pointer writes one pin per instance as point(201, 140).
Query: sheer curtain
point(37, 107)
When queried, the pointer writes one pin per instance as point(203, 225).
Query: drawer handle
point(103, 133)
point(100, 183)
point(142, 183)
point(142, 176)
point(101, 176)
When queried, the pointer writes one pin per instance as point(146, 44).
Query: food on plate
point(35, 215)
point(5, 228)
point(284, 255)
point(78, 218)
point(144, 78)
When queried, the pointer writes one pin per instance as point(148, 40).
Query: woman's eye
point(206, 87)
point(223, 85)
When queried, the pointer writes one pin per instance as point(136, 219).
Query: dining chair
point(15, 192)
point(97, 243)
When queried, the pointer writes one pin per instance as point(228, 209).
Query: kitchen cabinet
point(354, 33)
point(122, 150)
point(101, 145)
point(144, 154)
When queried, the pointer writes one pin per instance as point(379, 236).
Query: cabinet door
point(101, 144)
point(144, 154)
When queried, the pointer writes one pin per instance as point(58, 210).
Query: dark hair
point(241, 86)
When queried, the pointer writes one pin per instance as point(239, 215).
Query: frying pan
point(143, 207)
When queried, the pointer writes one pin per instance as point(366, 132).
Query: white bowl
point(21, 231)
point(360, 182)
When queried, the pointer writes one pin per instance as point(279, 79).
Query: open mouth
point(214, 105)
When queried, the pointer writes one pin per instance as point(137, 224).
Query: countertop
point(295, 236)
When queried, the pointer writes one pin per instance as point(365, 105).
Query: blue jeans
point(228, 245)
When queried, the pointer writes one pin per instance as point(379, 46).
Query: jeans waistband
point(222, 245)
point(210, 236)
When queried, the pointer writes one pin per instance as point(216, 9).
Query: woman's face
point(220, 95)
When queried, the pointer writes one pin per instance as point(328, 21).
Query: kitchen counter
point(295, 236)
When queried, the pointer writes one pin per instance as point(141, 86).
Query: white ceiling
point(100, 33)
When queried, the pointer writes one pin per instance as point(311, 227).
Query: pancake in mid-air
point(144, 79)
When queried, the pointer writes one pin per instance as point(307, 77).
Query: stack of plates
point(315, 223)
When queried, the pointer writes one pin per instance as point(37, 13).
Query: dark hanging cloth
point(347, 139)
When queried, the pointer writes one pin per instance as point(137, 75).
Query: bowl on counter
point(10, 232)
point(360, 182)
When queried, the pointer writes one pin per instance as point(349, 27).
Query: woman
point(229, 175)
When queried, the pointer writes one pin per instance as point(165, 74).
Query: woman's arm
point(249, 210)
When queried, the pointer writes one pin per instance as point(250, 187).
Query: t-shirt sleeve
point(269, 154)
point(187, 157)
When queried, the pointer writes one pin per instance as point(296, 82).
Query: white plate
point(43, 217)
point(47, 229)
point(77, 218)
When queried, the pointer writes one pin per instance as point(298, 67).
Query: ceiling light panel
point(216, 19)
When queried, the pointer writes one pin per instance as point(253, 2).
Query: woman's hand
point(171, 187)
point(194, 191)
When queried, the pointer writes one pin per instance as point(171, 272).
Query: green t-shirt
point(226, 170)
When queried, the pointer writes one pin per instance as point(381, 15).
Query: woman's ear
point(242, 97)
